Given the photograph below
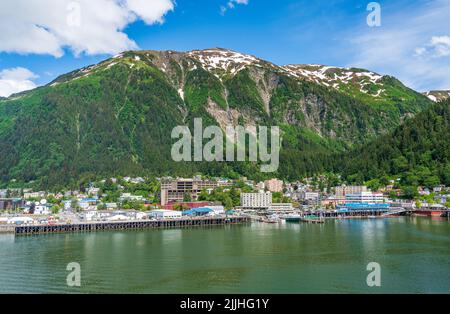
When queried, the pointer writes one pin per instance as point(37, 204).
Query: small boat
point(272, 219)
point(292, 218)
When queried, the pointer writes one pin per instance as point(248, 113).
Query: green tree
point(187, 197)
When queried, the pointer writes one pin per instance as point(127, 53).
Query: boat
point(272, 219)
point(292, 218)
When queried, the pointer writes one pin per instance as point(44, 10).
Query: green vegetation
point(115, 119)
point(417, 153)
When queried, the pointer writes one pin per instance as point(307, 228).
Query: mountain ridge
point(438, 95)
point(116, 116)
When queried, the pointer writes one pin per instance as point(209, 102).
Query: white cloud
point(410, 45)
point(84, 26)
point(16, 80)
point(441, 45)
point(231, 4)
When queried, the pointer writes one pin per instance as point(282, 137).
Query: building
point(11, 203)
point(310, 196)
point(186, 205)
point(165, 214)
point(281, 207)
point(36, 195)
point(42, 209)
point(175, 190)
point(87, 203)
point(199, 211)
point(256, 200)
point(341, 191)
point(333, 201)
point(111, 206)
point(362, 206)
point(93, 191)
point(130, 197)
point(364, 197)
point(274, 185)
point(261, 186)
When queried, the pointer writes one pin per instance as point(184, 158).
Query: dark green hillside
point(418, 152)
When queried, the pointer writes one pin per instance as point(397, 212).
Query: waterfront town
point(130, 199)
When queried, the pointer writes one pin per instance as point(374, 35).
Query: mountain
point(438, 95)
point(116, 117)
point(418, 152)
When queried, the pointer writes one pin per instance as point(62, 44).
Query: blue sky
point(41, 39)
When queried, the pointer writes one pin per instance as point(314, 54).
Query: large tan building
point(341, 191)
point(174, 190)
point(274, 185)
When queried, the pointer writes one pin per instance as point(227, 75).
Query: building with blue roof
point(199, 211)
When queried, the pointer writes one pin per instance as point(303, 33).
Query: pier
point(7, 229)
point(127, 225)
point(312, 219)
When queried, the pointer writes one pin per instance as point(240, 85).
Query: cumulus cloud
point(413, 45)
point(231, 4)
point(15, 80)
point(83, 26)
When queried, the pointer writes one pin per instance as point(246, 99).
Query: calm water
point(414, 254)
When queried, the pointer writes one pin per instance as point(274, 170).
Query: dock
point(312, 219)
point(127, 225)
point(7, 229)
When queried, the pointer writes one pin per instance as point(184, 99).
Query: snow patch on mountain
point(223, 60)
point(334, 76)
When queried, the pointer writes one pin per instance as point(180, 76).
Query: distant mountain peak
point(438, 95)
point(224, 60)
point(338, 77)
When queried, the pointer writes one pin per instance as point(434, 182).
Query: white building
point(29, 195)
point(129, 197)
point(256, 200)
point(364, 197)
point(281, 207)
point(216, 209)
point(93, 191)
point(141, 215)
point(42, 209)
point(165, 214)
point(310, 196)
point(111, 206)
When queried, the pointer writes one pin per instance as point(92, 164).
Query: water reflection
point(291, 257)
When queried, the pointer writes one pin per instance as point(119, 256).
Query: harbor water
point(413, 253)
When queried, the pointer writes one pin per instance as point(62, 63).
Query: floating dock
point(127, 225)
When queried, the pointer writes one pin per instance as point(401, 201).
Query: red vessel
point(430, 213)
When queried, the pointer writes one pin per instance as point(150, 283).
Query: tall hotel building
point(174, 190)
point(256, 200)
